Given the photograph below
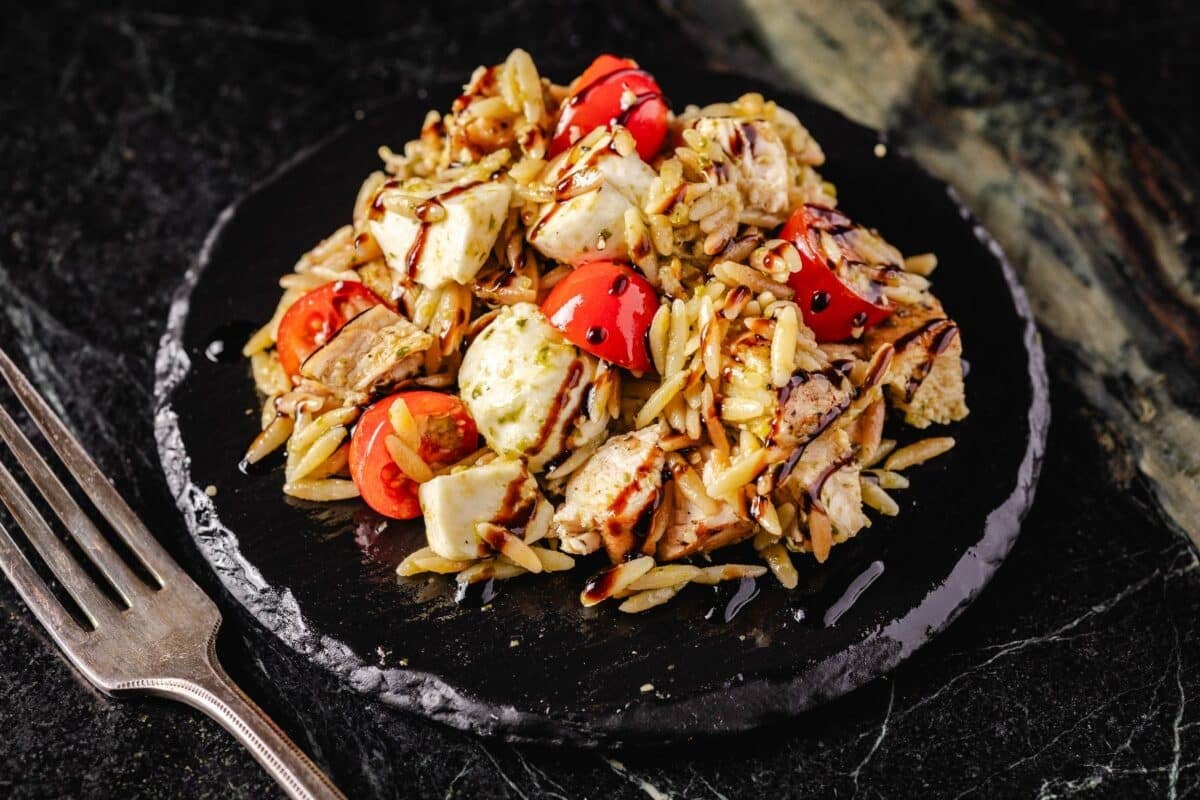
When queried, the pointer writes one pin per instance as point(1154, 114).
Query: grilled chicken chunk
point(821, 480)
point(700, 527)
point(593, 186)
point(756, 160)
point(499, 493)
point(610, 500)
point(451, 235)
point(925, 379)
point(373, 351)
point(808, 404)
point(790, 415)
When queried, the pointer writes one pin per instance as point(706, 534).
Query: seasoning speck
point(210, 490)
point(880, 150)
point(515, 643)
point(647, 687)
point(404, 662)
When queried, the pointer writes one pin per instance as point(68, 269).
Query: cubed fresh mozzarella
point(525, 387)
point(594, 186)
point(452, 249)
point(501, 493)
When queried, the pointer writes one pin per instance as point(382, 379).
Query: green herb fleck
point(513, 415)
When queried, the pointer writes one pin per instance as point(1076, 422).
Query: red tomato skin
point(605, 308)
point(830, 307)
point(316, 317)
point(382, 484)
point(601, 66)
point(595, 101)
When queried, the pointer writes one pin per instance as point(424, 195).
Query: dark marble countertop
point(124, 132)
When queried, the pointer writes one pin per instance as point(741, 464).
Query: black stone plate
point(532, 664)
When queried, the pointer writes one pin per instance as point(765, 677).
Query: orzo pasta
point(564, 320)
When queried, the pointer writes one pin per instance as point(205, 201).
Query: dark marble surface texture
point(124, 131)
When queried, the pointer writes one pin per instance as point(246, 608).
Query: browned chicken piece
point(791, 415)
point(374, 351)
point(699, 525)
point(612, 498)
point(821, 480)
point(691, 530)
point(925, 380)
point(808, 405)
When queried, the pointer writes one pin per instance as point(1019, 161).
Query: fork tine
point(37, 595)
point(78, 584)
point(73, 517)
point(91, 479)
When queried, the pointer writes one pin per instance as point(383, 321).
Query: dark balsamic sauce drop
point(819, 302)
point(619, 285)
point(476, 595)
point(596, 335)
point(726, 606)
point(747, 590)
point(859, 320)
point(853, 592)
point(600, 585)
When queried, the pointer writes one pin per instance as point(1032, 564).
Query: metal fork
point(161, 639)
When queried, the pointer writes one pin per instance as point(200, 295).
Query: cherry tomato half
point(825, 290)
point(605, 308)
point(613, 90)
point(316, 317)
point(448, 434)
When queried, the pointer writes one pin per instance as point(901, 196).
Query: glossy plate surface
point(532, 664)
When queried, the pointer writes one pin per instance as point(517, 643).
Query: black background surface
point(124, 131)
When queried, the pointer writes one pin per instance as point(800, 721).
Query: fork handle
point(214, 693)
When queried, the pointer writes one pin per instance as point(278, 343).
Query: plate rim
point(424, 693)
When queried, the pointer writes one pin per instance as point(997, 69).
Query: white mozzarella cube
point(594, 187)
point(525, 386)
point(502, 493)
point(452, 249)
